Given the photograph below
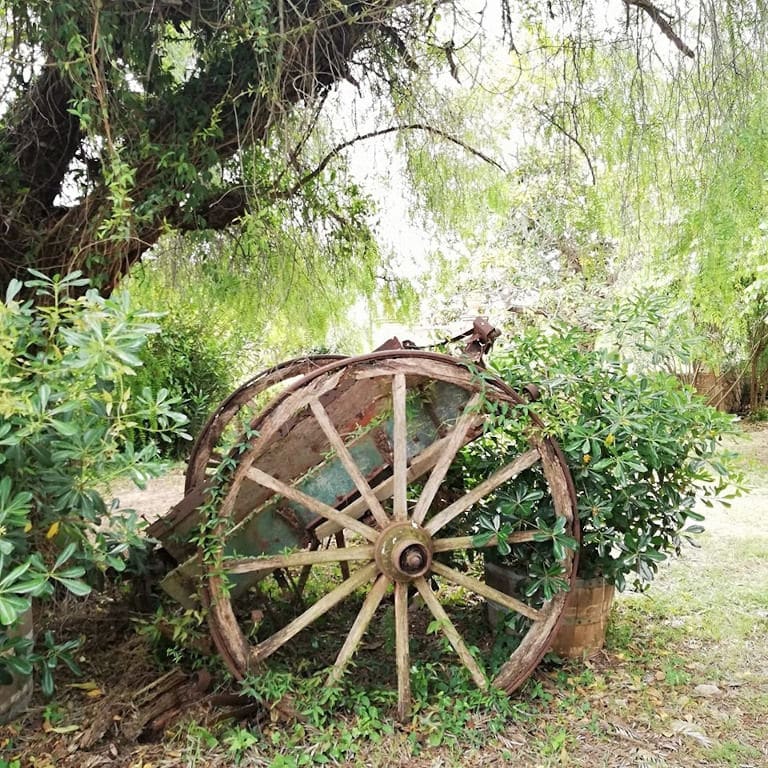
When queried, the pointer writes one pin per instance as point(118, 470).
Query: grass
point(643, 702)
point(647, 701)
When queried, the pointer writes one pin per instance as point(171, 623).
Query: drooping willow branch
point(339, 148)
point(228, 205)
point(571, 136)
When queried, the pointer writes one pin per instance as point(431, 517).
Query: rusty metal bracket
point(481, 335)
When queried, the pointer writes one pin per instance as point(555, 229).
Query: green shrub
point(194, 361)
point(642, 448)
point(69, 413)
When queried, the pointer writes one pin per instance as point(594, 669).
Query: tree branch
point(339, 148)
point(551, 120)
point(230, 204)
point(659, 17)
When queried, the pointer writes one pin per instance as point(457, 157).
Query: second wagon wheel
point(365, 446)
point(211, 440)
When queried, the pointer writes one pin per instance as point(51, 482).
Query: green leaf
point(75, 586)
point(64, 555)
point(11, 607)
point(15, 574)
point(65, 428)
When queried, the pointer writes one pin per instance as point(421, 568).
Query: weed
point(734, 753)
point(675, 673)
point(238, 741)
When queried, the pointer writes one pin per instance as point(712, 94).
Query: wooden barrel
point(582, 629)
point(15, 696)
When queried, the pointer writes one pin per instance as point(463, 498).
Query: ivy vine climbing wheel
point(375, 448)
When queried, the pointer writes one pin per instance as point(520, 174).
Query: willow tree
point(121, 120)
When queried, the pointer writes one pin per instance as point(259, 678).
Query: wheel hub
point(404, 551)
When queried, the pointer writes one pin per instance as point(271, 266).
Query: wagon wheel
point(208, 440)
point(395, 542)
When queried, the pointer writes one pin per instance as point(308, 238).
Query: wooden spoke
point(399, 438)
point(296, 559)
point(356, 632)
point(419, 465)
point(450, 631)
point(381, 517)
point(454, 543)
point(313, 505)
point(342, 544)
point(402, 652)
point(456, 439)
point(482, 589)
point(503, 475)
point(314, 612)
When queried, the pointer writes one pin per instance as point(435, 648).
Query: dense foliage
point(70, 419)
point(195, 362)
point(122, 121)
point(641, 447)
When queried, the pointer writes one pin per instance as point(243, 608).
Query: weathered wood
point(536, 642)
point(316, 506)
point(204, 452)
point(399, 437)
point(454, 543)
point(344, 455)
point(294, 441)
point(456, 439)
point(341, 543)
point(488, 592)
point(296, 559)
point(314, 612)
point(402, 652)
point(503, 475)
point(451, 633)
point(357, 630)
point(420, 464)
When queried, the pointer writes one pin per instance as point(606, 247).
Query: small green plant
point(238, 741)
point(192, 360)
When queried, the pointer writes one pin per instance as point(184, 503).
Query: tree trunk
point(95, 168)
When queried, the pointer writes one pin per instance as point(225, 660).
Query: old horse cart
point(335, 492)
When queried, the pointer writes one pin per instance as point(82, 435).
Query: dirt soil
point(641, 715)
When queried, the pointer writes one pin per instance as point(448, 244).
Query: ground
point(682, 681)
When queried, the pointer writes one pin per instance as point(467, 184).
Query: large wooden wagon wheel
point(392, 424)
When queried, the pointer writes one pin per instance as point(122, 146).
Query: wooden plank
point(454, 543)
point(402, 652)
point(451, 633)
point(297, 559)
point(399, 437)
point(357, 630)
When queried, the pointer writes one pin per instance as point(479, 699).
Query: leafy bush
point(193, 361)
point(641, 447)
point(68, 414)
